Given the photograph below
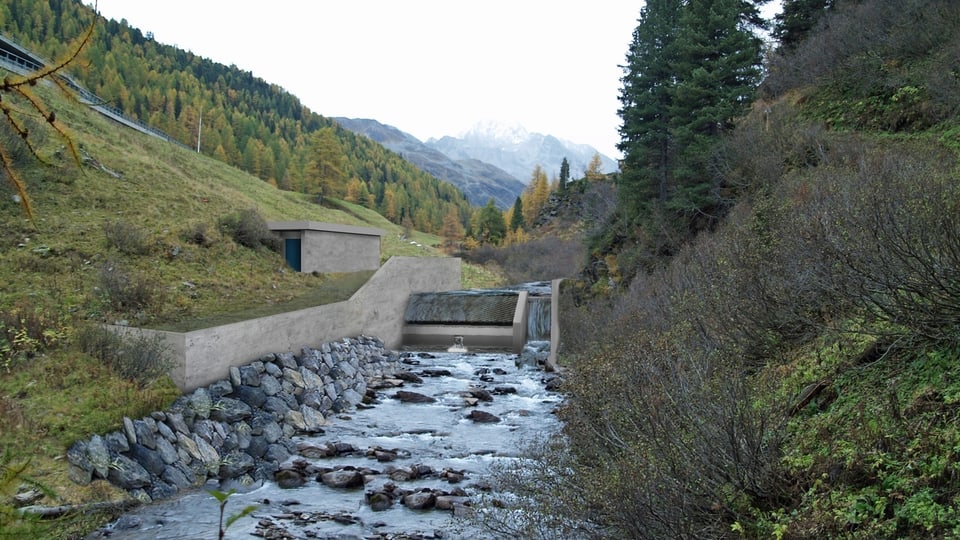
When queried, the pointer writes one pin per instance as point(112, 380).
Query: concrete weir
point(492, 320)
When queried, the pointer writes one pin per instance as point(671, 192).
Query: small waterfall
point(538, 318)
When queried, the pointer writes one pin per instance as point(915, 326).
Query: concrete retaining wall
point(206, 355)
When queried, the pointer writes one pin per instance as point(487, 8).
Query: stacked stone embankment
point(238, 429)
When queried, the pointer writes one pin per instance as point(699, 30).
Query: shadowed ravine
point(438, 440)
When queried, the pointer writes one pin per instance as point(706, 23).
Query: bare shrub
point(136, 357)
point(125, 290)
point(536, 260)
point(198, 234)
point(889, 227)
point(126, 238)
point(667, 441)
point(28, 328)
point(249, 229)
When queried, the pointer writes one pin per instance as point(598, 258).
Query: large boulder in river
point(342, 478)
point(483, 417)
point(412, 397)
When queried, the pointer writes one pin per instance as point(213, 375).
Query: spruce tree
point(691, 69)
point(645, 138)
point(797, 19)
point(717, 61)
point(564, 175)
point(516, 218)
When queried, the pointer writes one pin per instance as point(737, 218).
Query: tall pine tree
point(691, 69)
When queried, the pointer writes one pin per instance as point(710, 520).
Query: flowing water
point(437, 434)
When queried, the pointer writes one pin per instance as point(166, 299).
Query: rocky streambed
point(410, 459)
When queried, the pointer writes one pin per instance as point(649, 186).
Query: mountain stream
point(443, 446)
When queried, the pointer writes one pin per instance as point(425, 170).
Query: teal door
point(291, 250)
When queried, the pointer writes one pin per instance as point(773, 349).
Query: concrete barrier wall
point(376, 309)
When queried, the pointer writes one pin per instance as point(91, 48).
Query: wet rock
point(449, 502)
point(434, 372)
point(289, 478)
point(482, 417)
point(479, 393)
point(407, 376)
point(342, 478)
point(412, 397)
point(311, 451)
point(419, 500)
point(504, 390)
point(452, 476)
point(379, 501)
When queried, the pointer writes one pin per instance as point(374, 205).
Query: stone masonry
point(238, 429)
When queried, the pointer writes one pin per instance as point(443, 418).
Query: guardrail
point(23, 62)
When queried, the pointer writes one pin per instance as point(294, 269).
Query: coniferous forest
point(247, 122)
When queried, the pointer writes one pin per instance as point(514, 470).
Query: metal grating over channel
point(462, 307)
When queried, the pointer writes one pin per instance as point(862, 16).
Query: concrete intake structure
point(205, 355)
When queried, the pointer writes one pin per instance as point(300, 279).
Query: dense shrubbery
point(674, 432)
point(546, 258)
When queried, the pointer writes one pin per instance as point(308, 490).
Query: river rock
point(419, 500)
point(289, 478)
point(249, 376)
point(449, 502)
point(412, 397)
point(482, 417)
point(253, 396)
point(479, 393)
point(408, 376)
point(342, 478)
point(379, 501)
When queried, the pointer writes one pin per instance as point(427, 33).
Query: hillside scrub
point(687, 415)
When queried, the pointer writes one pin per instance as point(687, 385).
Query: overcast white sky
point(428, 67)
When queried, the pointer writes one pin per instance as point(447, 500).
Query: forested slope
point(247, 122)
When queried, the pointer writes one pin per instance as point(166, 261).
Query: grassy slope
point(49, 271)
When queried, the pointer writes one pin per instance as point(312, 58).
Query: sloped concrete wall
point(376, 309)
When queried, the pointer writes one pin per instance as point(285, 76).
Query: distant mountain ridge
point(490, 161)
point(478, 180)
point(517, 151)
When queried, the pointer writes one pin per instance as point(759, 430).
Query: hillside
point(784, 363)
point(247, 122)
